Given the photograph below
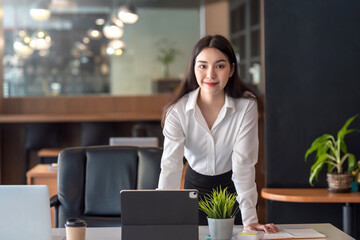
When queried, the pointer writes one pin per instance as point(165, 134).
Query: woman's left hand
point(267, 228)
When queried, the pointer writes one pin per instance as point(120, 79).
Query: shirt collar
point(193, 95)
point(191, 103)
point(230, 102)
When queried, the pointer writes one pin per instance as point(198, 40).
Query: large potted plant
point(333, 152)
point(220, 209)
point(166, 55)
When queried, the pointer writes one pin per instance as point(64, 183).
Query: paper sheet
point(295, 234)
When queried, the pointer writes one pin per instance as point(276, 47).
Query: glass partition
point(81, 47)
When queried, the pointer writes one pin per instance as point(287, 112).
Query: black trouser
point(205, 184)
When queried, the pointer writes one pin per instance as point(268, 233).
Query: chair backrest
point(90, 179)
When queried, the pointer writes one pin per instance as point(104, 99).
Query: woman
point(212, 121)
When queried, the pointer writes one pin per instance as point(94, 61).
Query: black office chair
point(90, 180)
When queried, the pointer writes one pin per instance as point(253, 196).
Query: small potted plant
point(356, 178)
point(333, 152)
point(220, 209)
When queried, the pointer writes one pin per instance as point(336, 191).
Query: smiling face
point(212, 71)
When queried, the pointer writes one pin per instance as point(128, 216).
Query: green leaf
point(325, 149)
point(319, 143)
point(344, 131)
point(321, 160)
point(219, 204)
point(315, 173)
point(343, 146)
point(351, 162)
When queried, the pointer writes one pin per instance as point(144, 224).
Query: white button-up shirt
point(231, 144)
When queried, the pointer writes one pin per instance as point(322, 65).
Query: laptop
point(134, 141)
point(159, 214)
point(25, 212)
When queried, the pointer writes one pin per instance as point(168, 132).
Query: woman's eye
point(220, 66)
point(202, 66)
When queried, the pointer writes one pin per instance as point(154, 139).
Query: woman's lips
point(211, 84)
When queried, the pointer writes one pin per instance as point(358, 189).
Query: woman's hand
point(267, 228)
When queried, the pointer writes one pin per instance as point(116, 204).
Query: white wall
point(132, 72)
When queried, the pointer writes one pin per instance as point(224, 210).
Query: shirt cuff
point(249, 216)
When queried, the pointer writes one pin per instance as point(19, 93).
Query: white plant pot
point(221, 229)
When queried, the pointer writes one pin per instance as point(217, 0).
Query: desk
point(329, 230)
point(48, 155)
point(315, 195)
point(41, 174)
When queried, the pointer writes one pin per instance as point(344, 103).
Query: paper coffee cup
point(75, 229)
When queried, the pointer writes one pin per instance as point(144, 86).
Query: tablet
point(159, 214)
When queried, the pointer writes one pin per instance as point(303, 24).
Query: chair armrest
point(54, 202)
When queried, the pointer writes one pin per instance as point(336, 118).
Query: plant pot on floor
point(339, 183)
point(221, 229)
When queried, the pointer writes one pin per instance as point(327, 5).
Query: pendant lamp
point(112, 31)
point(40, 40)
point(115, 47)
point(128, 14)
point(40, 10)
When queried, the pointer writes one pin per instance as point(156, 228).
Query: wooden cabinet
point(165, 85)
point(44, 174)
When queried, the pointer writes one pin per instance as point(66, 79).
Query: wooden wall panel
point(84, 105)
point(12, 154)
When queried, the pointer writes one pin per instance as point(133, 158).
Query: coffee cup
point(75, 229)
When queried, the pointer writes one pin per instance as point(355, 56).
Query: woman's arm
point(244, 158)
point(172, 158)
point(245, 155)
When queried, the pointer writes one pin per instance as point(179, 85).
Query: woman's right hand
point(267, 228)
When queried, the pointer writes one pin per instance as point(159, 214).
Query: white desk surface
point(331, 232)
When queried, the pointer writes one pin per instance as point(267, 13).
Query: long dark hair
point(235, 87)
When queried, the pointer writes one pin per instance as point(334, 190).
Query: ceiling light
point(94, 34)
point(22, 33)
point(62, 5)
point(112, 31)
point(21, 44)
point(115, 47)
point(118, 22)
point(86, 40)
point(23, 36)
point(116, 44)
point(115, 19)
point(100, 21)
point(40, 40)
point(22, 48)
point(40, 10)
point(127, 14)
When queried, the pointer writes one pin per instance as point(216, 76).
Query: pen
point(248, 233)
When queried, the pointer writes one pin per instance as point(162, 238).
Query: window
point(245, 36)
point(74, 62)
